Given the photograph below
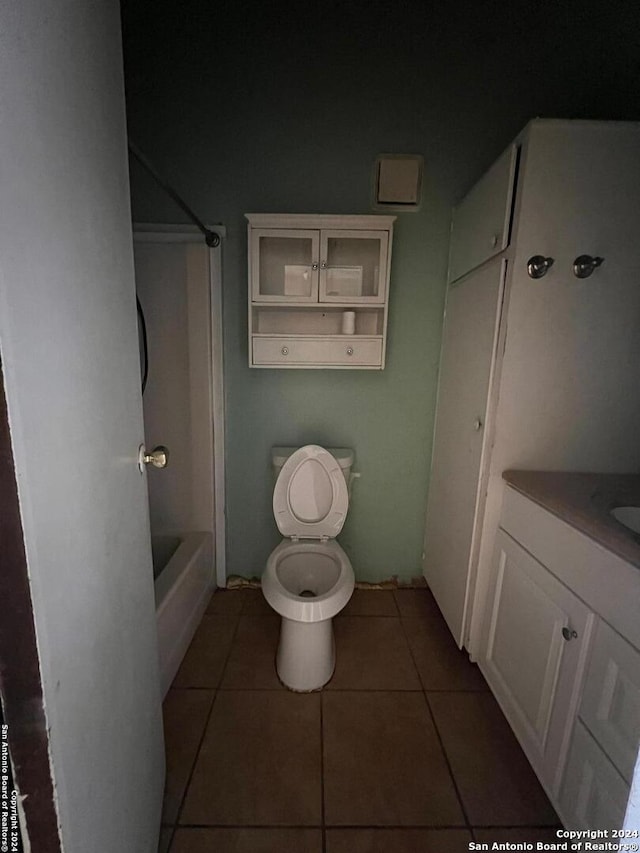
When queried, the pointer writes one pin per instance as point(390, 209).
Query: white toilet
point(308, 578)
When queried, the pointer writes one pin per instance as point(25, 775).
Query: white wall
point(70, 359)
point(571, 373)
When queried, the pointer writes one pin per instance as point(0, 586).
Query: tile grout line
point(359, 826)
point(438, 735)
point(322, 806)
point(216, 691)
point(223, 671)
point(396, 605)
point(176, 822)
point(446, 758)
point(346, 689)
point(413, 660)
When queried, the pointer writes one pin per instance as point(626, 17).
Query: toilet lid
point(310, 500)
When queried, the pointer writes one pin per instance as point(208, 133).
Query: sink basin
point(629, 516)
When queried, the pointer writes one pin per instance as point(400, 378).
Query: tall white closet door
point(466, 366)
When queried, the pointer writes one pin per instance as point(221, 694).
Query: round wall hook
point(584, 265)
point(538, 266)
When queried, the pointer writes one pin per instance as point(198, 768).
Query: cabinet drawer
point(610, 706)
point(594, 795)
point(481, 221)
point(317, 351)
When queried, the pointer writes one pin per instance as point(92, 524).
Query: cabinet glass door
point(284, 265)
point(353, 266)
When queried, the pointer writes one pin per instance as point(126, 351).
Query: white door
point(68, 339)
point(468, 354)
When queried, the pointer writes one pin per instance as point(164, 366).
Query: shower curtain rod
point(211, 238)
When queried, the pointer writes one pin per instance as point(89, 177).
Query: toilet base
point(306, 654)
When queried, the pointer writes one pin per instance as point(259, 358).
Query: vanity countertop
point(584, 501)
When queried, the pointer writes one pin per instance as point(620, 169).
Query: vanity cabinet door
point(535, 640)
point(594, 795)
point(610, 705)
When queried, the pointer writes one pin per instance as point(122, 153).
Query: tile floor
point(404, 751)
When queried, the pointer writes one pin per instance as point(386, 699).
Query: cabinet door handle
point(349, 350)
point(323, 265)
point(285, 350)
point(314, 266)
point(569, 634)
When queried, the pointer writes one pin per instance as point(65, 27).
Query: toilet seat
point(285, 599)
point(310, 499)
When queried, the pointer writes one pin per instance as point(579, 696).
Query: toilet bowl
point(308, 578)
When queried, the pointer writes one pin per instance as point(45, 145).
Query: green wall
point(283, 107)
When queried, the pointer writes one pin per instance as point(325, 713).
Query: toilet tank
point(342, 455)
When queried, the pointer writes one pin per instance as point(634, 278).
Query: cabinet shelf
point(314, 306)
point(305, 272)
point(345, 338)
point(294, 320)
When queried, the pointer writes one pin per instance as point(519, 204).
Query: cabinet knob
point(494, 240)
point(569, 634)
point(538, 265)
point(323, 265)
point(314, 266)
point(285, 350)
point(349, 350)
point(477, 424)
point(584, 265)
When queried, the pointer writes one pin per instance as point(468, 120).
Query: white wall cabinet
point(481, 223)
point(558, 653)
point(565, 367)
point(305, 272)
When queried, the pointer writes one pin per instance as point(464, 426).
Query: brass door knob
point(158, 457)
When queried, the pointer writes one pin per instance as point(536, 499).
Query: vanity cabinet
point(305, 273)
point(560, 653)
point(537, 634)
